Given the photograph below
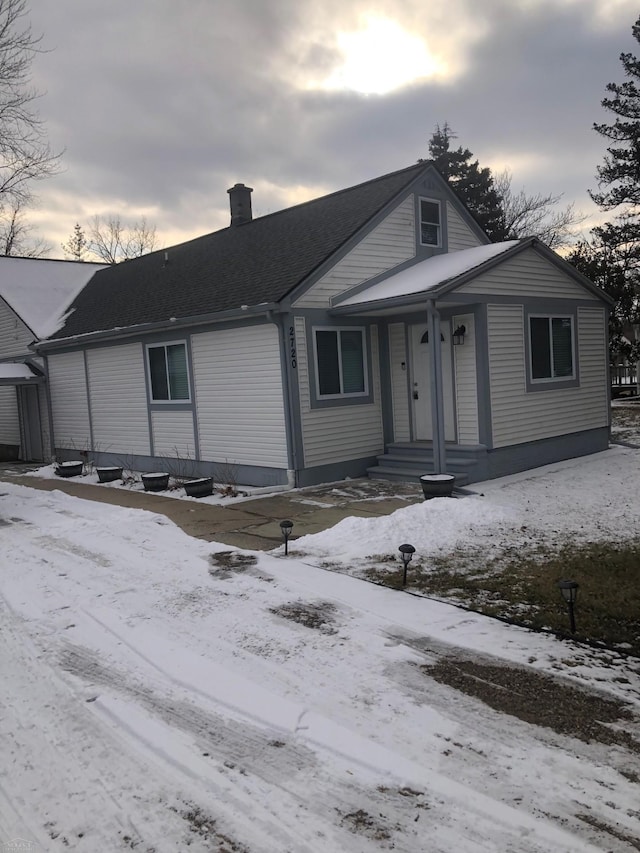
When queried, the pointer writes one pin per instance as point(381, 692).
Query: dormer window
point(430, 224)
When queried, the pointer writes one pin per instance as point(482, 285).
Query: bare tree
point(16, 235)
point(112, 241)
point(25, 155)
point(536, 215)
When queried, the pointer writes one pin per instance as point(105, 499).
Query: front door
point(421, 383)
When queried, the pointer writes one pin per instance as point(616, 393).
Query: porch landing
point(405, 461)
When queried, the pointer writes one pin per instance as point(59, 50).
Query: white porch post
point(437, 396)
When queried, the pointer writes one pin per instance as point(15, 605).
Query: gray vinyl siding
point(387, 245)
point(399, 388)
point(70, 408)
point(338, 433)
point(173, 434)
point(9, 423)
point(118, 399)
point(459, 235)
point(518, 416)
point(15, 337)
point(528, 274)
point(238, 391)
point(466, 386)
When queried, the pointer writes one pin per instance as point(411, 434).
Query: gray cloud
point(162, 105)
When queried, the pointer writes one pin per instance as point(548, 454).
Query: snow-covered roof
point(10, 370)
point(40, 291)
point(428, 274)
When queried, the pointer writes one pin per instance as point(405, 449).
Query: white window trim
point(166, 344)
point(339, 329)
point(545, 379)
point(437, 245)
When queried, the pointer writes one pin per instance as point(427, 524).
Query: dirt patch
point(361, 822)
point(633, 842)
point(205, 827)
point(537, 698)
point(226, 563)
point(319, 616)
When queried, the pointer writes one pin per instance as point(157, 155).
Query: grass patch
point(522, 587)
point(319, 616)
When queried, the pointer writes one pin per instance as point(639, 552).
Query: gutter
point(265, 309)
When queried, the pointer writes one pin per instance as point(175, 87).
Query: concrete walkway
point(252, 523)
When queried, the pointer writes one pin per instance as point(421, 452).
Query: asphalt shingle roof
point(260, 261)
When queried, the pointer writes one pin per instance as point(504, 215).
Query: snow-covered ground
point(161, 695)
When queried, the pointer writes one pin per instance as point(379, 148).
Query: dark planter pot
point(155, 482)
point(69, 469)
point(108, 475)
point(199, 488)
point(437, 485)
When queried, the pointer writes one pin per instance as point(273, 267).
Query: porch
point(405, 461)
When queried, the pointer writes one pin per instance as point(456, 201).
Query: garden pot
point(437, 485)
point(155, 482)
point(199, 488)
point(108, 475)
point(69, 469)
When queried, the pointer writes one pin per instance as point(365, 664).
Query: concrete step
point(410, 475)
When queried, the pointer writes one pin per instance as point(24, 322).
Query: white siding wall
point(338, 433)
point(531, 274)
point(399, 387)
point(173, 434)
point(466, 389)
point(390, 243)
point(519, 416)
point(15, 337)
point(9, 424)
point(238, 387)
point(459, 235)
point(118, 396)
point(68, 388)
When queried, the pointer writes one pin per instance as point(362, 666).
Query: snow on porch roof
point(427, 275)
point(40, 290)
point(12, 371)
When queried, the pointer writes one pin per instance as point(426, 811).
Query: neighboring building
point(34, 294)
point(372, 330)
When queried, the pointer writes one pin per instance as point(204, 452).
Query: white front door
point(421, 383)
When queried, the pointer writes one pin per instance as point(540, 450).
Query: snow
point(15, 371)
point(157, 697)
point(40, 291)
point(428, 274)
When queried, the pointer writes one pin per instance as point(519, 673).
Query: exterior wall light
point(286, 527)
point(406, 553)
point(569, 590)
point(458, 335)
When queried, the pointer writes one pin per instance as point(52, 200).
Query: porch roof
point(13, 373)
point(423, 279)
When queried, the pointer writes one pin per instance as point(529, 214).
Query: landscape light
point(569, 590)
point(286, 526)
point(406, 553)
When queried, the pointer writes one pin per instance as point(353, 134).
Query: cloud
point(161, 105)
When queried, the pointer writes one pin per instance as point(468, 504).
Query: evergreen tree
point(472, 184)
point(612, 257)
point(76, 245)
point(620, 174)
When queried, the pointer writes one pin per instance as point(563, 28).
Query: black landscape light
point(286, 526)
point(569, 590)
point(406, 553)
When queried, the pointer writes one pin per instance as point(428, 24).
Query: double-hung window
point(168, 372)
point(430, 224)
point(552, 347)
point(340, 356)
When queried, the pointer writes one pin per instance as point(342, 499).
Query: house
point(34, 295)
point(373, 330)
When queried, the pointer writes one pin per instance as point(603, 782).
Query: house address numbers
point(292, 347)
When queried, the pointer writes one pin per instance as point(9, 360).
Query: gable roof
point(256, 263)
point(436, 276)
point(40, 290)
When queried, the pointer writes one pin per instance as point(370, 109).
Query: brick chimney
point(240, 203)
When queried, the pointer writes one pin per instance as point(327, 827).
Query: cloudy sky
point(161, 105)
